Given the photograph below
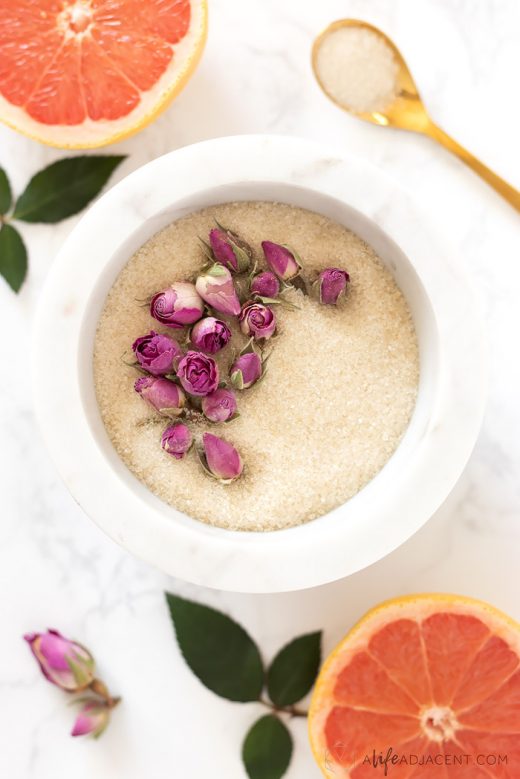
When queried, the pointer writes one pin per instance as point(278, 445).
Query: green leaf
point(267, 749)
point(13, 257)
point(218, 650)
point(5, 192)
point(64, 188)
point(294, 670)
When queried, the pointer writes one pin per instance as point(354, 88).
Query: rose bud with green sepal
point(220, 459)
point(257, 320)
point(198, 373)
point(92, 718)
point(266, 285)
point(178, 306)
point(177, 440)
point(163, 395)
point(210, 335)
point(216, 287)
point(230, 250)
point(157, 354)
point(283, 261)
point(220, 406)
point(331, 285)
point(63, 662)
point(246, 370)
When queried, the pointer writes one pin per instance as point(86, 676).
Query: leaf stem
point(292, 711)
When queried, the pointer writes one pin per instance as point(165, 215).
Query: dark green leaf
point(64, 188)
point(218, 650)
point(5, 192)
point(294, 670)
point(13, 257)
point(267, 749)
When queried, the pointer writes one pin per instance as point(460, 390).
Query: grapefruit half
point(423, 687)
point(85, 73)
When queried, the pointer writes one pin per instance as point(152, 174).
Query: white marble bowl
point(416, 480)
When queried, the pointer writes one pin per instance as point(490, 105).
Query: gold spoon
point(408, 112)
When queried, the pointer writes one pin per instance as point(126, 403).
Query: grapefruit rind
point(415, 607)
point(95, 134)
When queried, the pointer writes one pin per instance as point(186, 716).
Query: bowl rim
point(384, 514)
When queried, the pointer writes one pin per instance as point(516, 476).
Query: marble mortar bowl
point(434, 450)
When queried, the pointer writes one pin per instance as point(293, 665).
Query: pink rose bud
point(331, 285)
point(257, 320)
point(220, 406)
point(210, 335)
point(230, 250)
point(221, 459)
point(63, 662)
point(198, 373)
point(215, 286)
point(282, 260)
point(177, 440)
point(246, 370)
point(157, 354)
point(177, 306)
point(92, 719)
point(163, 395)
point(266, 285)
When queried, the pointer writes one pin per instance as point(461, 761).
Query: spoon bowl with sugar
point(361, 70)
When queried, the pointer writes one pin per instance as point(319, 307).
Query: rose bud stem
point(100, 688)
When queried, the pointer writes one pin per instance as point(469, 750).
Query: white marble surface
point(57, 569)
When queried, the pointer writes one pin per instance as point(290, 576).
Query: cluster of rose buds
point(186, 380)
point(71, 667)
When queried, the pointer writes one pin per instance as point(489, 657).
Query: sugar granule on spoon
point(358, 69)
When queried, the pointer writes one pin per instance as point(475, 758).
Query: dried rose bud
point(163, 395)
point(246, 370)
point(257, 320)
point(63, 662)
point(92, 719)
point(215, 286)
point(265, 284)
point(220, 406)
point(157, 354)
point(221, 459)
point(331, 285)
point(210, 335)
point(282, 260)
point(177, 440)
point(177, 306)
point(198, 373)
point(230, 250)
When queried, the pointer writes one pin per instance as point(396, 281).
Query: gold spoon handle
point(511, 194)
